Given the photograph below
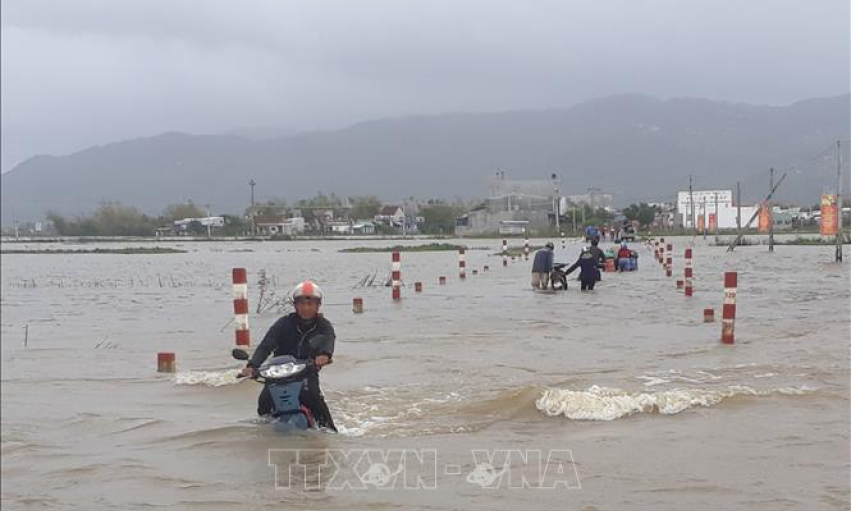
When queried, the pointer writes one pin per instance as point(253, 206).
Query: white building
point(281, 225)
point(705, 205)
point(207, 221)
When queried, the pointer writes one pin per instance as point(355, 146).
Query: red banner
point(713, 223)
point(829, 215)
point(764, 218)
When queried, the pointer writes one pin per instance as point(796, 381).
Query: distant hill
point(636, 147)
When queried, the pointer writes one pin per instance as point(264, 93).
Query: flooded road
point(628, 397)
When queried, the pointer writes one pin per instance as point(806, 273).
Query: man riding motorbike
point(303, 334)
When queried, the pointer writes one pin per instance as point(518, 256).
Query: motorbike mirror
point(239, 354)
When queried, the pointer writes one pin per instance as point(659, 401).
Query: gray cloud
point(83, 72)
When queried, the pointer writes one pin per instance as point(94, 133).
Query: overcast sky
point(81, 72)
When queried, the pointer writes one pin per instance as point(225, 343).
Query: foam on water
point(208, 378)
point(605, 404)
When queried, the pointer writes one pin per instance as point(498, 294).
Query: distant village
point(513, 207)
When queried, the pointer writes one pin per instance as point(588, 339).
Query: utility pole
point(756, 213)
point(703, 217)
point(208, 221)
point(839, 234)
point(573, 208)
point(691, 203)
point(556, 202)
point(717, 223)
point(738, 209)
point(251, 183)
point(770, 212)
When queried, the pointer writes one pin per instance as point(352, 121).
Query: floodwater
point(622, 398)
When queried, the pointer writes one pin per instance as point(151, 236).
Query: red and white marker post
point(166, 363)
point(504, 253)
point(462, 263)
point(689, 290)
point(397, 276)
point(526, 248)
point(240, 306)
point(728, 315)
point(669, 262)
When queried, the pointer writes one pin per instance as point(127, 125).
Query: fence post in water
point(708, 315)
point(462, 263)
point(441, 281)
point(728, 315)
point(240, 306)
point(563, 242)
point(397, 276)
point(526, 248)
point(357, 305)
point(662, 253)
point(418, 287)
point(504, 253)
point(166, 363)
point(688, 274)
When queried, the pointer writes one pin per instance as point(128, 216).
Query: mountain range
point(639, 148)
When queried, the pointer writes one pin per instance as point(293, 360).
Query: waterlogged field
point(479, 394)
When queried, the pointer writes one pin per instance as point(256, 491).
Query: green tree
point(365, 207)
point(273, 207)
point(235, 226)
point(643, 213)
point(60, 223)
point(439, 219)
point(320, 200)
point(115, 219)
point(110, 219)
point(188, 209)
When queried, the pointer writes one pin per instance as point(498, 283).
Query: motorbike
point(284, 377)
point(558, 277)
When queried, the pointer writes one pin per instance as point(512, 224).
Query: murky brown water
point(655, 412)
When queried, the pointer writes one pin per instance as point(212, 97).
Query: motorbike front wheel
point(559, 282)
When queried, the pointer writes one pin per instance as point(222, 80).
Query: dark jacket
point(286, 337)
point(588, 266)
point(543, 262)
point(598, 254)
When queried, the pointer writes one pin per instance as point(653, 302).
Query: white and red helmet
point(307, 289)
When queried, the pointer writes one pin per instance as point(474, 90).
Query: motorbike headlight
point(281, 370)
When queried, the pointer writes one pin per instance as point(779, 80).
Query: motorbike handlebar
point(311, 363)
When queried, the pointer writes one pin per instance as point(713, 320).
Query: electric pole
point(251, 183)
point(770, 212)
point(556, 202)
point(738, 209)
point(716, 218)
point(573, 208)
point(691, 204)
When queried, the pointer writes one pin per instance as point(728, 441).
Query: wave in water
point(606, 404)
point(208, 378)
